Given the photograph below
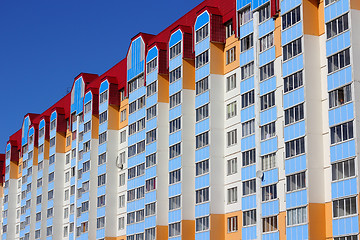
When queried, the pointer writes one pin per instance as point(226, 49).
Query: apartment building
point(238, 121)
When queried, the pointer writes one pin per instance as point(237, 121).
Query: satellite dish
point(259, 174)
point(119, 164)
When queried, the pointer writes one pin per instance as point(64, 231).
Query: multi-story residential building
point(238, 121)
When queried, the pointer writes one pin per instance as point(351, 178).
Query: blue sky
point(45, 44)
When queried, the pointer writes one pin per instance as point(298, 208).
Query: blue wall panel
point(342, 150)
point(269, 146)
point(293, 65)
point(297, 198)
point(266, 27)
point(336, 9)
point(248, 143)
point(339, 78)
point(247, 56)
point(293, 131)
point(294, 98)
point(338, 43)
point(247, 113)
point(202, 210)
point(270, 208)
point(249, 232)
point(267, 56)
point(246, 85)
point(270, 177)
point(248, 172)
point(341, 114)
point(344, 226)
point(297, 232)
point(246, 29)
point(248, 202)
point(295, 164)
point(202, 154)
point(268, 116)
point(292, 33)
point(287, 5)
point(343, 188)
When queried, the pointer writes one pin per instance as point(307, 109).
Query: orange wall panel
point(188, 229)
point(35, 156)
point(277, 37)
point(124, 106)
point(355, 4)
point(60, 142)
point(161, 232)
point(317, 225)
point(116, 238)
point(313, 17)
point(217, 226)
point(95, 127)
point(188, 74)
point(68, 134)
point(14, 169)
point(113, 118)
point(282, 225)
point(328, 221)
point(217, 57)
point(233, 235)
point(163, 87)
point(231, 42)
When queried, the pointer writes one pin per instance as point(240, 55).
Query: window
point(150, 160)
point(140, 147)
point(337, 26)
point(85, 206)
point(248, 157)
point(249, 187)
point(174, 202)
point(136, 83)
point(51, 177)
point(266, 42)
point(202, 140)
point(245, 16)
point(295, 182)
point(100, 222)
point(123, 136)
point(231, 82)
point(132, 107)
point(175, 150)
point(131, 218)
point(103, 96)
point(38, 216)
point(150, 209)
point(174, 229)
point(87, 146)
point(349, 237)
point(291, 18)
point(231, 55)
point(269, 192)
point(232, 166)
point(66, 213)
point(151, 66)
point(175, 125)
point(52, 142)
point(86, 166)
point(141, 102)
point(202, 224)
point(293, 81)
point(248, 128)
point(202, 59)
point(343, 170)
point(269, 224)
point(101, 180)
point(139, 215)
point(247, 71)
point(131, 195)
point(175, 50)
point(49, 212)
point(295, 147)
point(231, 110)
point(39, 182)
point(84, 227)
point(87, 107)
point(175, 176)
point(102, 138)
point(247, 42)
point(151, 136)
point(202, 112)
point(175, 75)
point(41, 132)
point(296, 216)
point(66, 231)
point(249, 217)
point(267, 71)
point(232, 224)
point(247, 99)
point(41, 148)
point(151, 89)
point(202, 167)
point(267, 100)
point(85, 186)
point(49, 231)
point(103, 117)
point(122, 179)
point(67, 176)
point(232, 195)
point(268, 131)
point(132, 150)
point(339, 60)
point(151, 112)
point(102, 159)
point(51, 159)
point(268, 161)
point(229, 29)
point(294, 114)
point(231, 137)
point(292, 49)
point(38, 199)
point(202, 195)
point(87, 127)
point(202, 33)
point(121, 223)
point(150, 184)
point(202, 85)
point(123, 115)
point(341, 132)
point(327, 2)
point(340, 96)
point(101, 201)
point(264, 13)
point(73, 153)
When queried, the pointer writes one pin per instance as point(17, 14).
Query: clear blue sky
point(45, 44)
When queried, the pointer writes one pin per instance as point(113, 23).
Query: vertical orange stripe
point(188, 229)
point(282, 225)
point(217, 226)
point(317, 227)
point(163, 85)
point(355, 4)
point(277, 37)
point(233, 235)
point(161, 232)
point(188, 74)
point(217, 58)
